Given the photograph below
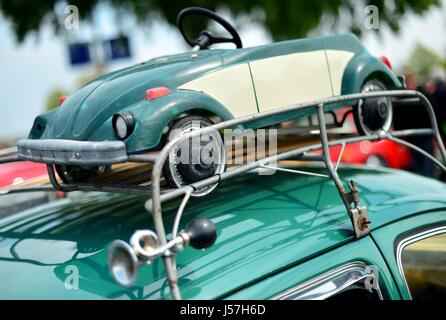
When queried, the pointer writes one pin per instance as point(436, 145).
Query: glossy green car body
point(272, 236)
point(325, 67)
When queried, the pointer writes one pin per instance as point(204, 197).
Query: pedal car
point(143, 107)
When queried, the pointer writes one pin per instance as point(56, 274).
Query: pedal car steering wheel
point(205, 38)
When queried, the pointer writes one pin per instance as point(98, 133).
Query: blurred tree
point(423, 61)
point(52, 100)
point(285, 19)
point(92, 74)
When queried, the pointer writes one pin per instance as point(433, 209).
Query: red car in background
point(18, 172)
point(384, 153)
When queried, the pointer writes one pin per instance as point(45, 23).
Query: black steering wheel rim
point(211, 39)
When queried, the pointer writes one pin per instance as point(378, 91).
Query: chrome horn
point(124, 260)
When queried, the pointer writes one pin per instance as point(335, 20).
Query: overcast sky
point(29, 71)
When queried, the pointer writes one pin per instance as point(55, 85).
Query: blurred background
point(36, 66)
point(43, 58)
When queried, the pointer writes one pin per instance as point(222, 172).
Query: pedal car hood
point(90, 107)
point(268, 227)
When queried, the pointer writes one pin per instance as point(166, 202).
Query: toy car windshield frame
point(351, 199)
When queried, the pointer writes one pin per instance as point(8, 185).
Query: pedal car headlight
point(123, 124)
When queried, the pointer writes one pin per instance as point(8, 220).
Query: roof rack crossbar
point(45, 188)
point(417, 149)
point(338, 161)
point(8, 152)
point(305, 173)
point(299, 153)
point(9, 159)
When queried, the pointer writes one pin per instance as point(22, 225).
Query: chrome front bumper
point(56, 151)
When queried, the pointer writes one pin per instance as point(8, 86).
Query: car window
point(352, 281)
point(424, 265)
point(356, 294)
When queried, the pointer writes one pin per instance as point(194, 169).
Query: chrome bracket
point(358, 215)
point(353, 195)
point(360, 220)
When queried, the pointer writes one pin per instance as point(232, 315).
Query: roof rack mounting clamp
point(360, 220)
point(353, 195)
point(358, 215)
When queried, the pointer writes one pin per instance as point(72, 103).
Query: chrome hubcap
point(195, 160)
point(380, 118)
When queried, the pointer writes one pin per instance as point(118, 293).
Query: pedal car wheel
point(195, 159)
point(73, 174)
point(374, 114)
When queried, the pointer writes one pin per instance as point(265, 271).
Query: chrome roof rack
point(148, 245)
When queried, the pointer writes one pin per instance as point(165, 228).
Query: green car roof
point(265, 224)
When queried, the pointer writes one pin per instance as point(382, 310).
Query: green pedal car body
point(142, 107)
